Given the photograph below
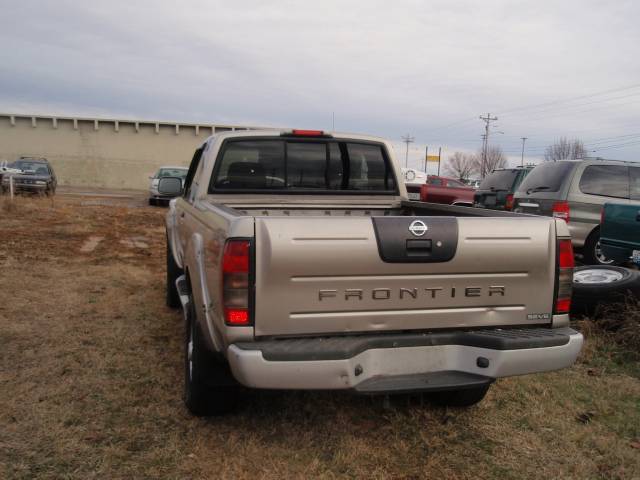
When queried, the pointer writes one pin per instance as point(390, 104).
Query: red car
point(446, 190)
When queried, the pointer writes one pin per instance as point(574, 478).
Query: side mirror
point(170, 186)
point(150, 177)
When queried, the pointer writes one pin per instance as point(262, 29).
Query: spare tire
point(595, 285)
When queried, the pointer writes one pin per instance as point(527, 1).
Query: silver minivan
point(576, 190)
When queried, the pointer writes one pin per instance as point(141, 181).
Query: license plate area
point(413, 195)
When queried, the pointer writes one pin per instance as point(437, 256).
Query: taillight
point(561, 210)
point(423, 192)
point(602, 216)
point(509, 203)
point(566, 262)
point(235, 282)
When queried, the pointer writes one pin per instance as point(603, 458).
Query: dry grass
point(90, 384)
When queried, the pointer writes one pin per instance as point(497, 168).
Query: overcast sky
point(428, 68)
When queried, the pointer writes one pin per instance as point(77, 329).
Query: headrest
point(246, 175)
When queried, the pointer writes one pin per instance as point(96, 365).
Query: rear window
point(546, 177)
point(286, 166)
point(605, 180)
point(501, 180)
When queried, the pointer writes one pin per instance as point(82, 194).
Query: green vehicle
point(620, 232)
point(497, 189)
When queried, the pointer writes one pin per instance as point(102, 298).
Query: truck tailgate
point(318, 276)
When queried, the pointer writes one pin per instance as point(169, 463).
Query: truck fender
point(170, 223)
point(194, 258)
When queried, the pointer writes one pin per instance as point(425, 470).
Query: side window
point(454, 184)
point(434, 181)
point(634, 180)
point(188, 181)
point(606, 180)
point(368, 169)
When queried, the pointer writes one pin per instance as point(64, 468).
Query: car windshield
point(29, 166)
point(547, 176)
point(499, 180)
point(172, 172)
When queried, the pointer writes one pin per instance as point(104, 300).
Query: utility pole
point(426, 158)
point(439, 159)
point(407, 139)
point(522, 157)
point(487, 121)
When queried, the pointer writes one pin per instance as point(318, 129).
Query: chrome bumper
point(252, 369)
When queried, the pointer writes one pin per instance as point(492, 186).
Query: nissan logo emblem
point(418, 228)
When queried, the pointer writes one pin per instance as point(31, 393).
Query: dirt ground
point(90, 382)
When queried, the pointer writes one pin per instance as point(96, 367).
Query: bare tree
point(460, 165)
point(495, 159)
point(564, 149)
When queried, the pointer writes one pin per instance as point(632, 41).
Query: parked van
point(576, 190)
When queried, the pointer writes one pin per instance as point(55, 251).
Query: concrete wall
point(106, 153)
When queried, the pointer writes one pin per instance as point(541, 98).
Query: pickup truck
point(299, 263)
point(446, 190)
point(620, 232)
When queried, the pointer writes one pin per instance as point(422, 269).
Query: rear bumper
point(23, 187)
point(616, 252)
point(411, 362)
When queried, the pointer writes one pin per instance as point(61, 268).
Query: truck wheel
point(173, 272)
point(460, 398)
point(600, 284)
point(209, 387)
point(592, 253)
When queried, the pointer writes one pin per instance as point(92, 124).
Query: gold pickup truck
point(300, 264)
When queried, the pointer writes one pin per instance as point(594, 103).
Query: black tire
point(460, 398)
point(591, 252)
point(209, 386)
point(152, 202)
point(173, 272)
point(600, 284)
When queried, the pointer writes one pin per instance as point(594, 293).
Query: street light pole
point(522, 157)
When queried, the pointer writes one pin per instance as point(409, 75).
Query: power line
point(487, 121)
point(407, 139)
point(580, 97)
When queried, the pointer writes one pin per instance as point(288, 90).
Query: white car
point(413, 180)
point(155, 197)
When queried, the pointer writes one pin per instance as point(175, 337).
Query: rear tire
point(460, 398)
point(209, 386)
point(173, 272)
point(592, 254)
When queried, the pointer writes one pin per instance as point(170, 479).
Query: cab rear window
point(290, 166)
point(499, 180)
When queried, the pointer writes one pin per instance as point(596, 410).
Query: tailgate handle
point(418, 247)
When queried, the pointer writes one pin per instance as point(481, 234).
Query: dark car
point(36, 176)
point(497, 189)
point(620, 231)
point(575, 191)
